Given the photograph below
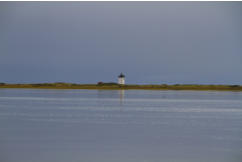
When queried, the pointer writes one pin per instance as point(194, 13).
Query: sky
point(150, 42)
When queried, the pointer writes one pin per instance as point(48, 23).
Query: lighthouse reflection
point(121, 96)
point(111, 94)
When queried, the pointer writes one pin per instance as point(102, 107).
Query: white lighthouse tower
point(121, 79)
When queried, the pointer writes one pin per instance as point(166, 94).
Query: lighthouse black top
point(121, 75)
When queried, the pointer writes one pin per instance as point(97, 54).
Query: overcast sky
point(150, 42)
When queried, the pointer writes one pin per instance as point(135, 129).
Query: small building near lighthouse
point(121, 79)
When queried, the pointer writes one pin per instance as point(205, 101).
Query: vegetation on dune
point(112, 85)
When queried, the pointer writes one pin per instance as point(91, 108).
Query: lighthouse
point(121, 79)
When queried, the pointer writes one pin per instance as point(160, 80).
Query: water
point(120, 126)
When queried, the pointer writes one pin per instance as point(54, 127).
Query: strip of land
point(114, 86)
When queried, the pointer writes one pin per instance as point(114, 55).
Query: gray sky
point(150, 42)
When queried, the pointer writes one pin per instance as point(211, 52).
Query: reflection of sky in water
point(112, 125)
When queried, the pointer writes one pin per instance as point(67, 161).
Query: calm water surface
point(120, 126)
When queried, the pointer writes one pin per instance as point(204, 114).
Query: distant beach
point(114, 86)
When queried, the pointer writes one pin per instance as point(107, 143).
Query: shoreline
point(124, 87)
